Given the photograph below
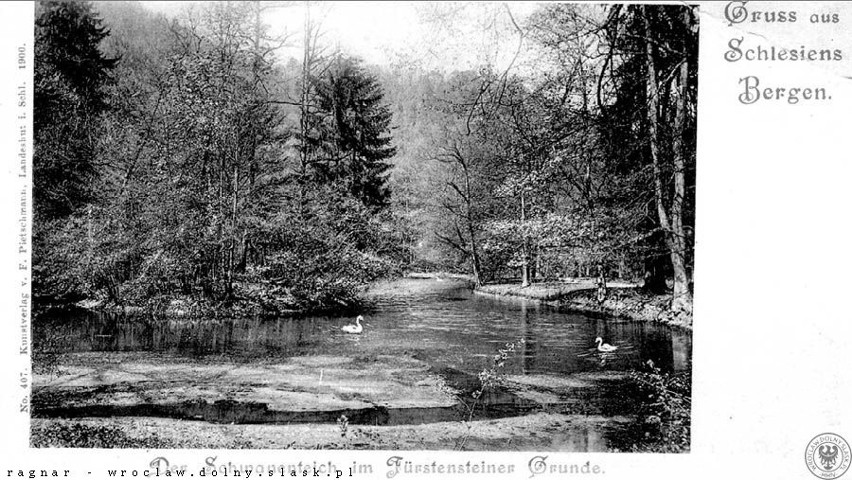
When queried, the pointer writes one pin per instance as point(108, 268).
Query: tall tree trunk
point(471, 230)
point(303, 110)
point(229, 272)
point(474, 253)
point(525, 248)
point(601, 284)
point(90, 234)
point(682, 295)
point(536, 266)
point(671, 222)
point(246, 242)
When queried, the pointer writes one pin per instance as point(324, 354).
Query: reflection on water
point(442, 323)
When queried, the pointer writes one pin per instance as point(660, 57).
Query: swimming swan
point(357, 328)
point(604, 347)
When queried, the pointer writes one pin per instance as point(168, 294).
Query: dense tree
point(573, 187)
point(225, 176)
point(352, 139)
point(650, 124)
point(200, 192)
point(70, 76)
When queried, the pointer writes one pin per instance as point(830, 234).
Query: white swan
point(357, 328)
point(605, 347)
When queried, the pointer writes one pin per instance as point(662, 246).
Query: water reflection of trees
point(115, 332)
point(529, 349)
point(463, 333)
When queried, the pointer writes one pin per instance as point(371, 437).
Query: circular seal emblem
point(828, 455)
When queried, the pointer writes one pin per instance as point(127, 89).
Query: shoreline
point(189, 306)
point(364, 397)
point(623, 300)
point(333, 402)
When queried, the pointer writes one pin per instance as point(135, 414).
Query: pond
point(441, 322)
point(417, 362)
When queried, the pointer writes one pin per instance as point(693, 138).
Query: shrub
point(665, 412)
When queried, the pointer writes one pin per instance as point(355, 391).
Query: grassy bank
point(623, 300)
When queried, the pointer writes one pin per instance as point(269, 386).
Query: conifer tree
point(70, 74)
point(353, 133)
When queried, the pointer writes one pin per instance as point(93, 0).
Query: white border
point(773, 263)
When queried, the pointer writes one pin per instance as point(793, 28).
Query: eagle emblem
point(828, 455)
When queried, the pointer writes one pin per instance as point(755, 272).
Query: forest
point(190, 159)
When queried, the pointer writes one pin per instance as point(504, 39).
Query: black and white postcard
point(260, 239)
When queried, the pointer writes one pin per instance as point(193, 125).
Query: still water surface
point(440, 322)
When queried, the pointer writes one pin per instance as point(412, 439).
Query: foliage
point(214, 181)
point(70, 77)
point(665, 414)
point(350, 140)
point(200, 194)
point(648, 127)
point(343, 425)
point(492, 377)
point(489, 379)
point(544, 170)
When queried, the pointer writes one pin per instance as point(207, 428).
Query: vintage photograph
point(363, 225)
